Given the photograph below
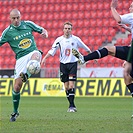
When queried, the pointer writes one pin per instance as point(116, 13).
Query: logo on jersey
point(72, 43)
point(22, 35)
point(25, 43)
point(67, 52)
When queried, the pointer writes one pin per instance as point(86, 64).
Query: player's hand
point(44, 33)
point(122, 26)
point(114, 3)
point(43, 62)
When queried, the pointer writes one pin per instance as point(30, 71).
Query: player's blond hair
point(69, 23)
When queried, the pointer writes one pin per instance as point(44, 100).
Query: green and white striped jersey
point(20, 38)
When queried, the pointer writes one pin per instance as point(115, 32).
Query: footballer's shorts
point(21, 63)
point(122, 52)
point(68, 72)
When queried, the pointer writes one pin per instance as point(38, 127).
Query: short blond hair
point(69, 23)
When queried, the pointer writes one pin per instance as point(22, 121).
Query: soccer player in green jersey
point(21, 40)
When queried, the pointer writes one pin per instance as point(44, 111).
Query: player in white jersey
point(68, 62)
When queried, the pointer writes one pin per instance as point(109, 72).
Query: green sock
point(28, 74)
point(15, 98)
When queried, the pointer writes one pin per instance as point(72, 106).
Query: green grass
point(48, 115)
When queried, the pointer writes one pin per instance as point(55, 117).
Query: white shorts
point(21, 63)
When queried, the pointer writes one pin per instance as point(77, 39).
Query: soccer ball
point(33, 67)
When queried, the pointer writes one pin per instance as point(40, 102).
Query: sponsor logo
point(101, 87)
point(21, 36)
point(53, 88)
point(25, 43)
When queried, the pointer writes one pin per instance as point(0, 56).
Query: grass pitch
point(49, 115)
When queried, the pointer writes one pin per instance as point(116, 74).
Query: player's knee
point(17, 87)
point(127, 78)
point(66, 86)
point(36, 56)
point(125, 74)
point(110, 49)
point(71, 86)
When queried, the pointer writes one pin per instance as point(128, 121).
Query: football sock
point(28, 74)
point(71, 97)
point(130, 87)
point(67, 95)
point(100, 53)
point(15, 98)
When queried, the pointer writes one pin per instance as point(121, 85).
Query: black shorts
point(122, 52)
point(68, 72)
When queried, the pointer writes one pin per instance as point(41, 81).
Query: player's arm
point(81, 44)
point(51, 52)
point(44, 33)
point(37, 28)
point(125, 27)
point(3, 40)
point(44, 58)
point(85, 47)
point(114, 11)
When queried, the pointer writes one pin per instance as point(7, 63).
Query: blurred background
point(92, 22)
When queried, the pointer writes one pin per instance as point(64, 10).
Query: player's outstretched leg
point(100, 53)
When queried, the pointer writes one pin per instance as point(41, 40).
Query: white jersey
point(65, 45)
point(128, 19)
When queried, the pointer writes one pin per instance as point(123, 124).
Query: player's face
point(15, 19)
point(131, 8)
point(67, 30)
